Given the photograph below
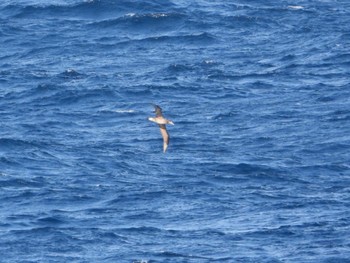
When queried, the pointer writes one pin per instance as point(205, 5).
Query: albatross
point(161, 121)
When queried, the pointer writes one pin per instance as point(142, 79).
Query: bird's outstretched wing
point(158, 111)
point(165, 135)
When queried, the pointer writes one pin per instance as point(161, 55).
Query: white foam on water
point(124, 111)
point(296, 7)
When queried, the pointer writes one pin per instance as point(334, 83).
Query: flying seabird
point(161, 121)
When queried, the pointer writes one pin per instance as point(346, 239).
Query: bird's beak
point(170, 122)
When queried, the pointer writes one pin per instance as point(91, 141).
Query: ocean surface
point(258, 166)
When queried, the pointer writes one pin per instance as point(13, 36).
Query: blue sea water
point(258, 167)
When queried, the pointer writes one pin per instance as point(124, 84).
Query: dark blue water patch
point(336, 259)
point(8, 143)
point(50, 221)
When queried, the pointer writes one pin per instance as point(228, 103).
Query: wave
point(224, 116)
point(17, 183)
point(141, 229)
point(275, 232)
point(200, 39)
point(205, 65)
point(240, 22)
point(179, 68)
point(52, 85)
point(296, 7)
point(170, 254)
point(146, 195)
point(145, 22)
point(84, 9)
point(48, 94)
point(243, 171)
point(339, 116)
point(7, 162)
point(339, 168)
point(243, 76)
point(70, 74)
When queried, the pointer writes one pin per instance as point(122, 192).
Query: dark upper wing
point(158, 111)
